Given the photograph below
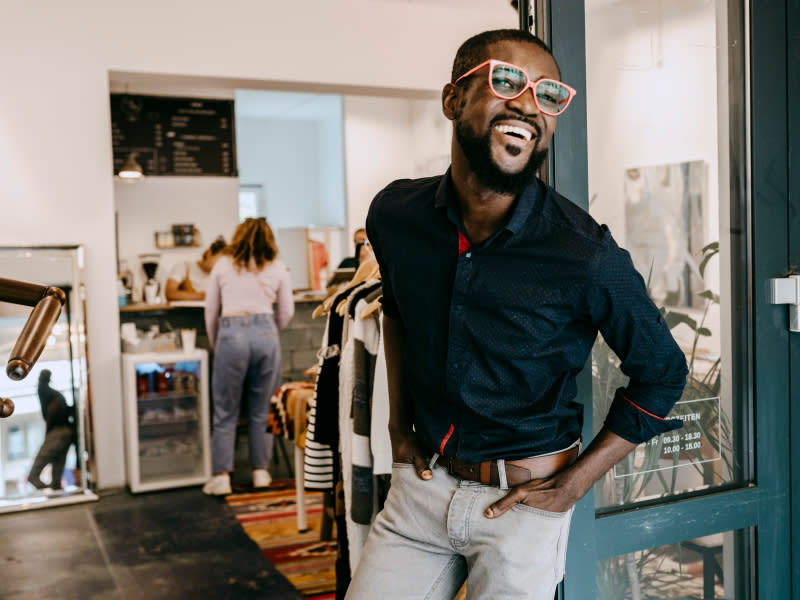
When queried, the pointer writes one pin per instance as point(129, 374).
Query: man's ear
point(450, 95)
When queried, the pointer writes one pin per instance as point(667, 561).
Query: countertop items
point(142, 306)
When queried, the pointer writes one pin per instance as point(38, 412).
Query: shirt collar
point(446, 198)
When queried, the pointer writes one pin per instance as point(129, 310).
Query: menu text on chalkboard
point(174, 136)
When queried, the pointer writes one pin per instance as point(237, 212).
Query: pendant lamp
point(131, 169)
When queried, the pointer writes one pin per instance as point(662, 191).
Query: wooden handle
point(6, 407)
point(32, 339)
point(21, 292)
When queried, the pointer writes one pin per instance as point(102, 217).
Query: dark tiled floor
point(174, 544)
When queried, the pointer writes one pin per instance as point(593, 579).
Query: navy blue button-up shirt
point(495, 334)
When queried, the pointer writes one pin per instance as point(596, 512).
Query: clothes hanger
point(368, 269)
point(371, 271)
point(373, 306)
point(323, 308)
point(341, 308)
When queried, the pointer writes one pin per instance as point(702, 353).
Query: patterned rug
point(269, 518)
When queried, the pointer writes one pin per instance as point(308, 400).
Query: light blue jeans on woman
point(432, 535)
point(247, 358)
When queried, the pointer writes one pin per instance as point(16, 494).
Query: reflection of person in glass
point(59, 434)
point(188, 280)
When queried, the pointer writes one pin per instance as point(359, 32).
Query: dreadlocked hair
point(253, 243)
point(476, 49)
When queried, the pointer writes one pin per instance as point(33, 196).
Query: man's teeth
point(515, 131)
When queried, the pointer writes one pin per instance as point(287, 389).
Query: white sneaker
point(218, 485)
point(261, 478)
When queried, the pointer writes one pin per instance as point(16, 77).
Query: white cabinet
point(166, 419)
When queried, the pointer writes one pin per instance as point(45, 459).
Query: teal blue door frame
point(766, 505)
point(793, 218)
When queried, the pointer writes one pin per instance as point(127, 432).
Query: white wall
point(388, 139)
point(55, 133)
point(431, 134)
point(156, 203)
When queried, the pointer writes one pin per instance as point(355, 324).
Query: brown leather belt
point(518, 471)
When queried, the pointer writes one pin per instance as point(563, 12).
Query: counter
point(300, 340)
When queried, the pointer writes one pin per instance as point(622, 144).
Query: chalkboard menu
point(174, 136)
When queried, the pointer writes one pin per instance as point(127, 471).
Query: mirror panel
point(24, 435)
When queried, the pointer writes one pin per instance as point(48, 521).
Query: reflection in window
point(665, 195)
point(698, 569)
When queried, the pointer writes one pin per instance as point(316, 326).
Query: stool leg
point(279, 453)
point(300, 492)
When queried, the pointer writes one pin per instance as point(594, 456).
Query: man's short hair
point(475, 50)
point(44, 375)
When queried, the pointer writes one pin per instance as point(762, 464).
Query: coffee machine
point(152, 288)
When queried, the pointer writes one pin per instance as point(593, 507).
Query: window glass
point(664, 98)
point(698, 569)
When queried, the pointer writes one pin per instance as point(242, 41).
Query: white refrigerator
point(166, 419)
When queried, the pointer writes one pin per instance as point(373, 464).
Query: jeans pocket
point(401, 465)
point(230, 338)
point(538, 511)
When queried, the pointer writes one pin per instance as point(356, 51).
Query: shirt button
point(459, 307)
point(468, 255)
point(455, 365)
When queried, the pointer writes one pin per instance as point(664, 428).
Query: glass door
point(668, 144)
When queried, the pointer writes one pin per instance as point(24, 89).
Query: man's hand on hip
point(553, 495)
point(560, 492)
point(406, 449)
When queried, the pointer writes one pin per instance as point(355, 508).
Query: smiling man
point(494, 290)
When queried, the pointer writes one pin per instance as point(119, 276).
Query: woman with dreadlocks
point(249, 299)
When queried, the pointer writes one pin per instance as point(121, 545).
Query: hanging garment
point(366, 342)
point(380, 443)
point(357, 530)
point(288, 415)
point(318, 457)
point(322, 434)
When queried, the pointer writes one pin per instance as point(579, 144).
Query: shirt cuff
point(631, 421)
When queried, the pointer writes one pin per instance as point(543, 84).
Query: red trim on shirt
point(463, 243)
point(446, 437)
point(643, 410)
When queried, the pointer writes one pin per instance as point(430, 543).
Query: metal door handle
point(786, 290)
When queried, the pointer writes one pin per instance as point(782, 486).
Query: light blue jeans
point(432, 535)
point(247, 358)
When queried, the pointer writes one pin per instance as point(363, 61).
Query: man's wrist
point(572, 483)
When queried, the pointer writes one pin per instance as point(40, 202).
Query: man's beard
point(478, 152)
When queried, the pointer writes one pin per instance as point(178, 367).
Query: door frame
point(765, 504)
